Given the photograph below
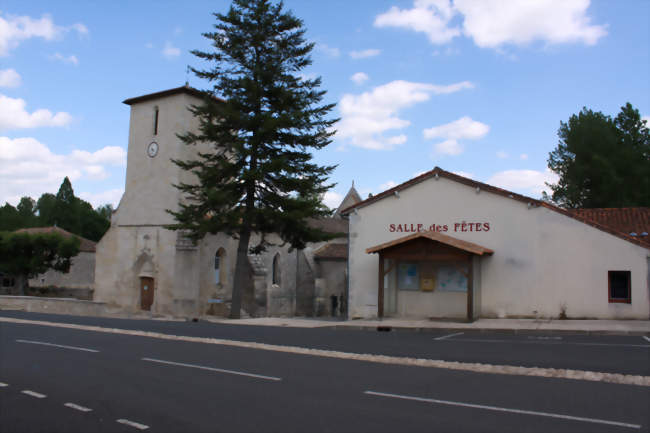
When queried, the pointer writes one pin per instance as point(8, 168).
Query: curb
point(488, 330)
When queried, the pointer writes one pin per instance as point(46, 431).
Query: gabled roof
point(350, 199)
point(438, 172)
point(85, 245)
point(460, 244)
point(162, 94)
point(332, 251)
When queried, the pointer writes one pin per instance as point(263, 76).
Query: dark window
point(155, 121)
point(620, 287)
point(276, 269)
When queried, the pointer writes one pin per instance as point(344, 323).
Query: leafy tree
point(71, 213)
point(9, 218)
point(105, 211)
point(27, 212)
point(259, 177)
point(64, 210)
point(25, 255)
point(602, 162)
point(45, 208)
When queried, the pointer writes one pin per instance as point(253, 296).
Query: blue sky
point(478, 88)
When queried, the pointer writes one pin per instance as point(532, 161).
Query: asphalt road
point(181, 386)
point(603, 353)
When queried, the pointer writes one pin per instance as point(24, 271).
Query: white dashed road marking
point(562, 373)
point(646, 338)
point(219, 370)
point(33, 394)
point(444, 337)
point(133, 424)
point(77, 407)
point(2, 385)
point(42, 343)
point(505, 409)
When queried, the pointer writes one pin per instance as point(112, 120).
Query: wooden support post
point(380, 294)
point(470, 290)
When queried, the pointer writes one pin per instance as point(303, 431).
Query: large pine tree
point(263, 121)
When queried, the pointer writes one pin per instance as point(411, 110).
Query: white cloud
point(448, 147)
point(307, 76)
point(387, 185)
point(502, 155)
point(148, 45)
point(80, 28)
point(28, 167)
point(330, 51)
point(170, 51)
point(359, 77)
point(366, 117)
point(523, 156)
point(15, 29)
point(430, 17)
point(519, 22)
point(362, 54)
point(463, 128)
point(14, 116)
point(72, 59)
point(9, 78)
point(332, 199)
point(464, 174)
point(528, 182)
point(493, 23)
point(111, 196)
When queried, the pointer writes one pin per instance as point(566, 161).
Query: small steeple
point(350, 199)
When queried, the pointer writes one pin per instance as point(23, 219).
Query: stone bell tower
point(140, 265)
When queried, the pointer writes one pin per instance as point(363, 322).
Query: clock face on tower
point(152, 149)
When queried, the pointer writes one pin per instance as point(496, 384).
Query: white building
point(441, 245)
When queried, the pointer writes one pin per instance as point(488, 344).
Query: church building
point(141, 265)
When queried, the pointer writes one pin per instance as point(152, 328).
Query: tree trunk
point(241, 275)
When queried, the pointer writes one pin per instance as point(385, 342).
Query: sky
point(478, 88)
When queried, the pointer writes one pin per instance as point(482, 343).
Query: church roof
point(85, 245)
point(170, 92)
point(350, 199)
point(332, 251)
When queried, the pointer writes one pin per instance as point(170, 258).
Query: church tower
point(138, 260)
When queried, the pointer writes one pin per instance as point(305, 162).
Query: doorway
point(146, 293)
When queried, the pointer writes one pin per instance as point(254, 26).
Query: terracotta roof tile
point(332, 251)
point(625, 220)
point(86, 245)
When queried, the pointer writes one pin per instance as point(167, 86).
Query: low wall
point(54, 305)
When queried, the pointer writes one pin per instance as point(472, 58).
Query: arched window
point(276, 269)
point(220, 266)
point(155, 120)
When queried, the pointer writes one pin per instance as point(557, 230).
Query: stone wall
point(80, 276)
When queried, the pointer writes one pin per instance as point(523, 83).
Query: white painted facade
point(544, 262)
